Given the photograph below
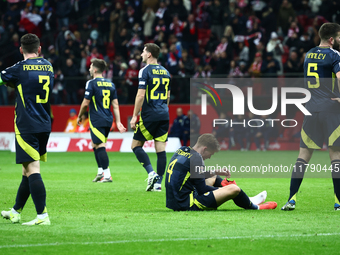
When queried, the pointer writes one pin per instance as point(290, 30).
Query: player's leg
point(100, 173)
point(99, 136)
point(161, 163)
point(311, 138)
point(334, 153)
point(239, 197)
point(104, 161)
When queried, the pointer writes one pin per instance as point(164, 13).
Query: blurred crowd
point(198, 38)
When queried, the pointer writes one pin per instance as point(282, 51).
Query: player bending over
point(186, 190)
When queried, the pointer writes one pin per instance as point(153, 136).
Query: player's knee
point(234, 189)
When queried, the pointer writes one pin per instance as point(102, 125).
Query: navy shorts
point(99, 135)
point(157, 130)
point(31, 147)
point(206, 201)
point(318, 128)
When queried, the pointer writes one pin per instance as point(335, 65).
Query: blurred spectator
point(161, 10)
point(12, 16)
point(255, 67)
point(53, 57)
point(83, 70)
point(121, 42)
point(173, 60)
point(49, 22)
point(195, 126)
point(58, 88)
point(285, 16)
point(216, 14)
point(84, 125)
point(270, 66)
point(130, 17)
point(63, 10)
point(116, 20)
point(71, 124)
point(293, 64)
point(275, 46)
point(94, 54)
point(294, 28)
point(176, 27)
point(190, 36)
point(242, 52)
point(103, 20)
point(187, 65)
point(222, 63)
point(315, 5)
point(235, 70)
point(175, 8)
point(148, 19)
point(177, 128)
point(71, 85)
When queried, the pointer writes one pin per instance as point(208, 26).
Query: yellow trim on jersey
point(16, 130)
point(334, 136)
point(94, 102)
point(199, 205)
point(144, 131)
point(43, 157)
point(293, 197)
point(21, 94)
point(146, 93)
point(191, 199)
point(333, 81)
point(309, 142)
point(336, 199)
point(185, 179)
point(162, 138)
point(27, 148)
point(97, 133)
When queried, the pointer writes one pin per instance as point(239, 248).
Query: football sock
point(143, 158)
point(218, 181)
point(22, 195)
point(242, 200)
point(97, 159)
point(100, 170)
point(103, 158)
point(107, 173)
point(297, 177)
point(38, 192)
point(43, 214)
point(161, 164)
point(336, 179)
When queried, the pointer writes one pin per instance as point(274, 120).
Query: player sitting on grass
point(187, 190)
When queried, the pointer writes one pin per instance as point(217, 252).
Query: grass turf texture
point(121, 218)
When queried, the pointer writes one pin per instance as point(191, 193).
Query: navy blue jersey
point(155, 79)
point(33, 79)
point(320, 66)
point(179, 183)
point(101, 92)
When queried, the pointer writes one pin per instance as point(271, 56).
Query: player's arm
point(168, 100)
point(83, 108)
point(138, 104)
point(115, 105)
point(201, 187)
point(338, 79)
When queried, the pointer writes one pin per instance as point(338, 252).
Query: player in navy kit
point(321, 65)
point(187, 189)
point(153, 97)
point(33, 80)
point(99, 95)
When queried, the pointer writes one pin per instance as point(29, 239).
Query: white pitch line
point(168, 240)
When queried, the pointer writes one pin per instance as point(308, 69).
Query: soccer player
point(153, 97)
point(320, 64)
point(33, 80)
point(99, 95)
point(187, 189)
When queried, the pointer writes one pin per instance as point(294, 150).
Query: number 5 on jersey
point(313, 74)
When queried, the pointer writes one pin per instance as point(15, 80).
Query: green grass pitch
point(121, 218)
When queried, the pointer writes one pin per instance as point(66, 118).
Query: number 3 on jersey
point(313, 74)
point(157, 82)
point(106, 99)
point(45, 87)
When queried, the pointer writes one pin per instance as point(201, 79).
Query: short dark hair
point(328, 30)
point(210, 141)
point(99, 64)
point(153, 49)
point(30, 43)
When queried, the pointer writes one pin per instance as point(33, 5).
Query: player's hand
point(336, 99)
point(226, 172)
point(133, 122)
point(121, 127)
point(79, 120)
